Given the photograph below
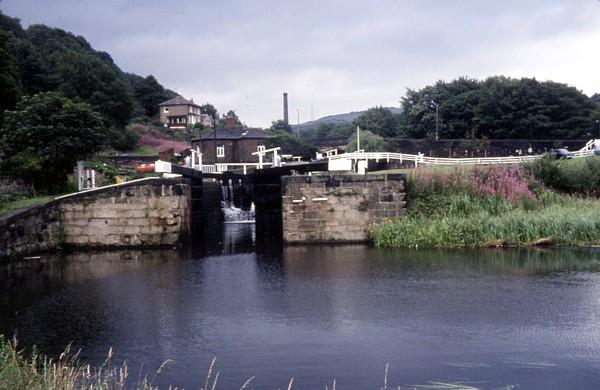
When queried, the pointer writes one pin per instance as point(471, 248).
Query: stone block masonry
point(33, 230)
point(147, 212)
point(338, 208)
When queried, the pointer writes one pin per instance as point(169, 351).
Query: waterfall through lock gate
point(231, 212)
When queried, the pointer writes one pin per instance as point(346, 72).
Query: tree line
point(495, 108)
point(43, 59)
point(61, 101)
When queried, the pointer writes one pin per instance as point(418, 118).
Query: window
point(166, 109)
point(221, 151)
point(260, 148)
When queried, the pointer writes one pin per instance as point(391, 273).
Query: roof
point(239, 133)
point(178, 101)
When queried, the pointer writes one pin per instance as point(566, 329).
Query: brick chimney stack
point(229, 121)
point(285, 109)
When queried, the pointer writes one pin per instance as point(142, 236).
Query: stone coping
point(328, 177)
point(131, 183)
point(10, 217)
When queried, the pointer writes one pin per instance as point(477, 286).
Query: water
point(233, 213)
point(488, 319)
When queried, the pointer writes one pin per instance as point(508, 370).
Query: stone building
point(179, 113)
point(230, 144)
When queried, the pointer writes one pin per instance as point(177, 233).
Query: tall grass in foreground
point(19, 372)
point(497, 206)
point(67, 372)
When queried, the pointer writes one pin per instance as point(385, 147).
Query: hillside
point(344, 119)
point(43, 59)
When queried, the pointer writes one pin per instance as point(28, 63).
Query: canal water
point(488, 319)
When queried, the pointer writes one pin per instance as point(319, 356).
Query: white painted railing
point(587, 150)
point(208, 169)
point(263, 153)
point(220, 168)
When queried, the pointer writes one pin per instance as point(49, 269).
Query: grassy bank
point(498, 206)
point(8, 206)
point(36, 372)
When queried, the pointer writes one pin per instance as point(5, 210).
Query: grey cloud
point(337, 55)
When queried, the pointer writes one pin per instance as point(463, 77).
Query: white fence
point(220, 168)
point(417, 159)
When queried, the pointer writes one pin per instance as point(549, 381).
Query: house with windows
point(230, 144)
point(179, 113)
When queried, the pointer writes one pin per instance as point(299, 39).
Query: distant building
point(179, 113)
point(230, 144)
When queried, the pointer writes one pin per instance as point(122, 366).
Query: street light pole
point(437, 119)
point(215, 136)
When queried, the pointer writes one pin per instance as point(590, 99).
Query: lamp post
point(437, 119)
point(298, 132)
point(215, 136)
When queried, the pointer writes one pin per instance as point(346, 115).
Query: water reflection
point(484, 318)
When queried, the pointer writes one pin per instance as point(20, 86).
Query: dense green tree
point(280, 125)
point(210, 110)
point(123, 139)
point(595, 131)
point(369, 142)
point(44, 137)
point(291, 145)
point(236, 120)
point(50, 59)
point(378, 120)
point(148, 93)
point(93, 81)
point(498, 107)
point(10, 82)
point(328, 130)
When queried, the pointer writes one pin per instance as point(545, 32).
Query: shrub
point(578, 176)
point(488, 206)
point(42, 140)
point(124, 139)
point(508, 182)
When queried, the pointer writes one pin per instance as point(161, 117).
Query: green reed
point(446, 210)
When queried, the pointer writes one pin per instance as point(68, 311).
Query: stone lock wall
point(148, 212)
point(34, 230)
point(338, 208)
point(153, 214)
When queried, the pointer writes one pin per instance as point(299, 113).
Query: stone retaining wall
point(149, 212)
point(33, 230)
point(152, 214)
point(338, 208)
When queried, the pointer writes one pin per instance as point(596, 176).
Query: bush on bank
point(577, 176)
point(495, 206)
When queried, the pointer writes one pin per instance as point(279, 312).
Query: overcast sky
point(333, 56)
